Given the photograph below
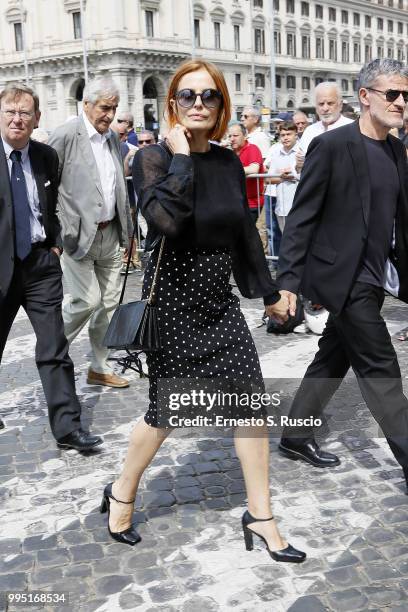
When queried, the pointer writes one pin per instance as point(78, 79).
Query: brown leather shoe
point(109, 380)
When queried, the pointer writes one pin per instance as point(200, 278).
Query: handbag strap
point(132, 241)
point(152, 294)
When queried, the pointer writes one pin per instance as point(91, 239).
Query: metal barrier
point(271, 255)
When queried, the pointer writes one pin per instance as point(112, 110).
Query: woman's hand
point(279, 310)
point(177, 140)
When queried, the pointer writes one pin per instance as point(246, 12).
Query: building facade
point(141, 42)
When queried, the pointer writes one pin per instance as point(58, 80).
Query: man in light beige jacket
point(95, 219)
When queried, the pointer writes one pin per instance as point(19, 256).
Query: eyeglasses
point(210, 98)
point(121, 121)
point(391, 94)
point(145, 141)
point(24, 115)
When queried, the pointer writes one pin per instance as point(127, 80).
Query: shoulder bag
point(134, 326)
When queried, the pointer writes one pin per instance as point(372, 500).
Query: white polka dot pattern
point(204, 333)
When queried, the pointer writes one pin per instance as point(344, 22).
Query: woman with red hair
point(192, 192)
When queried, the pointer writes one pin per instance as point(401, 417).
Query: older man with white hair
point(251, 119)
point(95, 218)
point(329, 103)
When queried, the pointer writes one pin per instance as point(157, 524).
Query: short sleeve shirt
point(251, 154)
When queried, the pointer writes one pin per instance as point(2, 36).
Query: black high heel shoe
point(128, 536)
point(288, 554)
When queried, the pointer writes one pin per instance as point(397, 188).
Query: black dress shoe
point(307, 450)
point(287, 555)
point(80, 440)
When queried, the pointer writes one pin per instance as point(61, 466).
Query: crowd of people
point(68, 210)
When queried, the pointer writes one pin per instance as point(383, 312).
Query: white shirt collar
point(331, 125)
point(94, 134)
point(283, 152)
point(8, 149)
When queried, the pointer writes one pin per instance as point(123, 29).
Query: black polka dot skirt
point(203, 332)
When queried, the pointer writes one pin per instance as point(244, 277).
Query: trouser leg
point(82, 293)
point(261, 227)
point(42, 302)
point(9, 306)
point(277, 234)
point(268, 222)
point(374, 361)
point(323, 377)
point(107, 268)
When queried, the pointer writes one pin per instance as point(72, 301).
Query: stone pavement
point(352, 520)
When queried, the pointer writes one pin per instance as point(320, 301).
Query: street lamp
point(85, 58)
point(27, 76)
point(193, 46)
point(253, 94)
point(273, 67)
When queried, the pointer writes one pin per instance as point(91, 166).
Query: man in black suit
point(30, 271)
point(346, 239)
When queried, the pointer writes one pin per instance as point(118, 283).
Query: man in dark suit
point(346, 239)
point(30, 271)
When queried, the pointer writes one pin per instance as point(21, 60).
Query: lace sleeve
point(248, 259)
point(164, 187)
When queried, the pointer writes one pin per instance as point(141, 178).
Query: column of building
point(137, 107)
point(120, 77)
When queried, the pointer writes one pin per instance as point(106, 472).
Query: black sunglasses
point(391, 94)
point(145, 141)
point(210, 98)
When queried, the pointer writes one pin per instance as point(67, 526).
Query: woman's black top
point(199, 201)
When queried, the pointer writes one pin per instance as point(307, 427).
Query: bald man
point(301, 121)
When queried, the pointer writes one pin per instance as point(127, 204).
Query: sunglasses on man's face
point(145, 141)
point(391, 95)
point(210, 98)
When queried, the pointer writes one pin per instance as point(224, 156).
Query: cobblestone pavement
point(352, 520)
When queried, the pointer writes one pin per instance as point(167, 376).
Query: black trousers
point(37, 287)
point(357, 337)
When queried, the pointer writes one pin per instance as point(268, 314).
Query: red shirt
point(251, 154)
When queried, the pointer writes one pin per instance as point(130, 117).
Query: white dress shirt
point(318, 128)
point(270, 190)
point(285, 191)
point(106, 169)
point(260, 139)
point(37, 229)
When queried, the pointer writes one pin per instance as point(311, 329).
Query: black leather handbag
point(134, 326)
